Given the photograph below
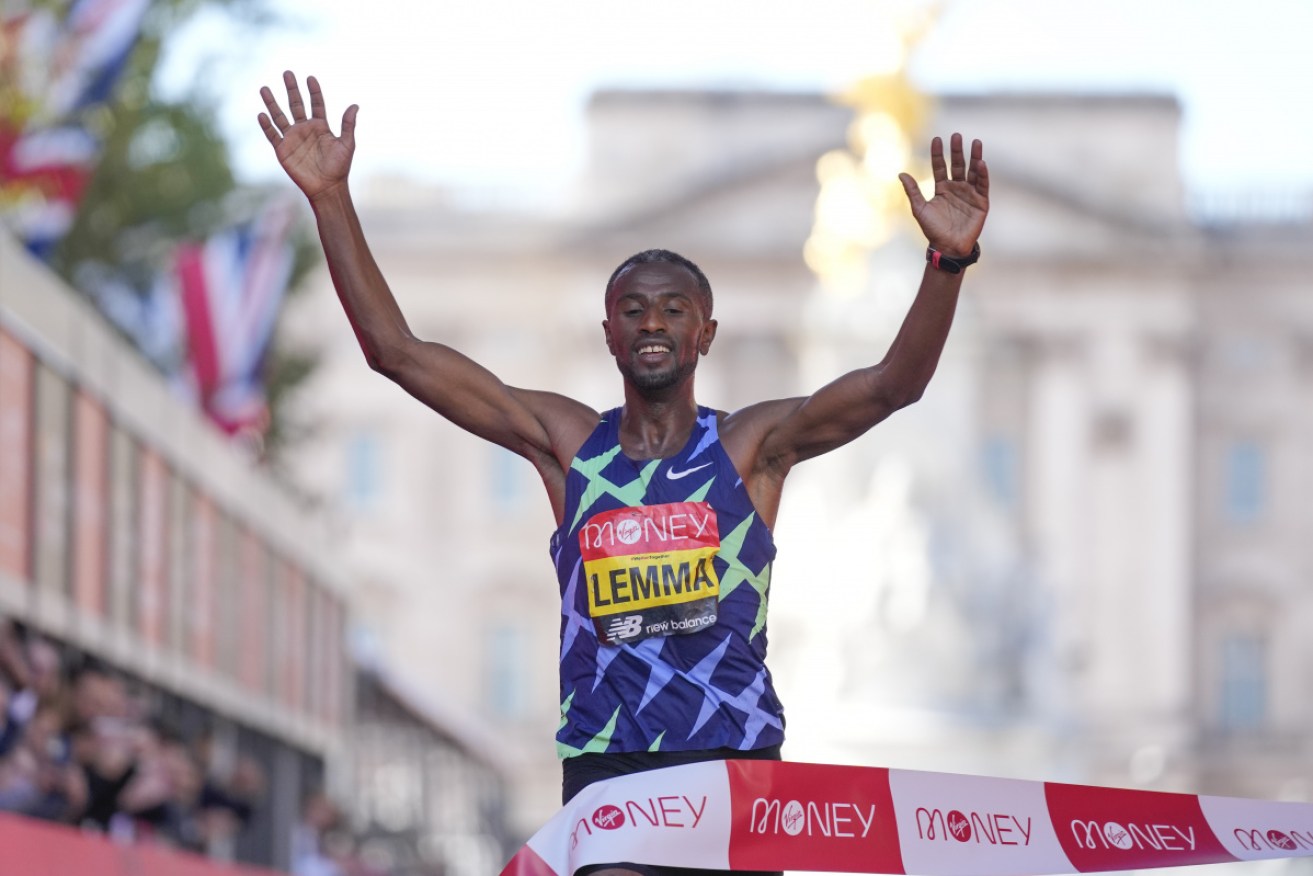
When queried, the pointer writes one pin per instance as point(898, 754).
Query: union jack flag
point(231, 289)
point(52, 70)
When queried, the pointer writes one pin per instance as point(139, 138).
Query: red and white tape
point(767, 815)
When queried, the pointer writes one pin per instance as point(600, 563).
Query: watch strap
point(947, 263)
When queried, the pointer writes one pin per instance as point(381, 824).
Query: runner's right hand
point(315, 159)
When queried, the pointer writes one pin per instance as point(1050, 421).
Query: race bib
point(649, 571)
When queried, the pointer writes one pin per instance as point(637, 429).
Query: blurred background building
point(136, 540)
point(174, 665)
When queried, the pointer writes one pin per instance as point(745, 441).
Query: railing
point(38, 848)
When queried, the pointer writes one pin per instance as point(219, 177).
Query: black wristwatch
point(950, 264)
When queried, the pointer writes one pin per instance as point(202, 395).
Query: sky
point(490, 93)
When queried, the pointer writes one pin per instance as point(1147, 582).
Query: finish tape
point(771, 815)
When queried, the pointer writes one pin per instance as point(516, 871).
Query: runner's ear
point(708, 335)
point(606, 333)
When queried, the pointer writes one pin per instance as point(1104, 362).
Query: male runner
point(664, 508)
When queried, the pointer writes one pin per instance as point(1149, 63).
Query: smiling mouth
point(652, 351)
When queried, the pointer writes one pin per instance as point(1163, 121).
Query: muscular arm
point(850, 405)
point(446, 380)
point(768, 439)
point(543, 427)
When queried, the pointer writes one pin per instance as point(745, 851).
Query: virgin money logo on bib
point(649, 570)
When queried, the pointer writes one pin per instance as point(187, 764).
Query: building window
point(1243, 700)
point(505, 664)
point(363, 472)
point(1001, 464)
point(1246, 481)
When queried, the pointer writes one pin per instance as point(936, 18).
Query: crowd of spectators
point(79, 744)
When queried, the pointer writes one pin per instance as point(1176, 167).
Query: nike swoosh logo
point(676, 475)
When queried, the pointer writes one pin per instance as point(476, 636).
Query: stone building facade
point(1078, 557)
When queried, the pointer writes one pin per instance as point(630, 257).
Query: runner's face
point(656, 326)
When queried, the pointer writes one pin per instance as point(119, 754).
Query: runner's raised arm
point(543, 427)
point(770, 438)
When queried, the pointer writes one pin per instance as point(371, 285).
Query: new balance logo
point(625, 627)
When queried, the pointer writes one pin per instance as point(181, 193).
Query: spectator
point(314, 839)
point(226, 806)
point(13, 662)
point(8, 729)
point(20, 700)
point(45, 671)
point(161, 799)
point(40, 778)
point(105, 745)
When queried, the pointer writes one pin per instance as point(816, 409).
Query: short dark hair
point(655, 256)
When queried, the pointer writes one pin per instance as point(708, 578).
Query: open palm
point(314, 158)
point(953, 219)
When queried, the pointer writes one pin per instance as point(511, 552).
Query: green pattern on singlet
point(631, 494)
point(597, 744)
point(737, 573)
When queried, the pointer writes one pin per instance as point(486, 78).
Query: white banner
point(768, 815)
